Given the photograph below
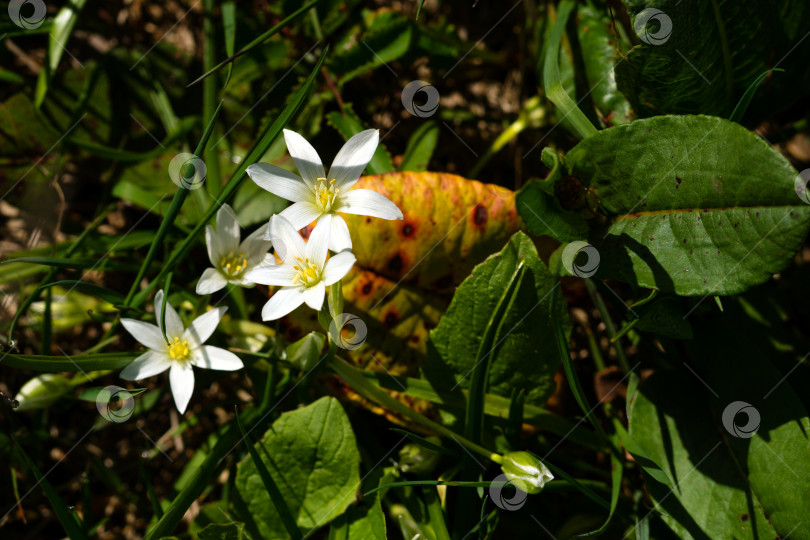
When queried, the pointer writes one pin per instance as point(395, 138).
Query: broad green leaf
point(525, 356)
point(223, 531)
point(312, 456)
point(727, 476)
point(543, 215)
point(361, 521)
point(712, 53)
point(306, 352)
point(694, 205)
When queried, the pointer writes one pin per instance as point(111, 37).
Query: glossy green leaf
point(700, 57)
point(312, 456)
point(306, 352)
point(728, 475)
point(543, 215)
point(694, 205)
point(524, 355)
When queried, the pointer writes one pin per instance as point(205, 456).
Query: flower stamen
point(309, 274)
point(178, 350)
point(233, 264)
point(325, 195)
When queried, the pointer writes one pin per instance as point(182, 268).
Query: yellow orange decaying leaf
point(450, 224)
point(406, 270)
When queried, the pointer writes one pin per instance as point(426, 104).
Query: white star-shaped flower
point(316, 194)
point(231, 259)
point(184, 349)
point(305, 273)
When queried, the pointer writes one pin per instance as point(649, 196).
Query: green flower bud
point(42, 391)
point(414, 458)
point(525, 471)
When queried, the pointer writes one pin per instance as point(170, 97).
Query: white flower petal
point(209, 357)
point(301, 214)
point(306, 158)
point(353, 158)
point(213, 244)
point(203, 326)
point(314, 297)
point(287, 243)
point(181, 378)
point(365, 202)
point(255, 246)
point(282, 302)
point(337, 267)
point(318, 243)
point(278, 275)
point(339, 238)
point(173, 325)
point(210, 282)
point(147, 334)
point(146, 365)
point(280, 182)
point(227, 228)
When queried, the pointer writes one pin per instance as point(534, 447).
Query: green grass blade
point(551, 75)
point(210, 465)
point(39, 362)
point(259, 40)
point(171, 214)
point(474, 420)
point(61, 28)
point(229, 29)
point(739, 111)
point(68, 521)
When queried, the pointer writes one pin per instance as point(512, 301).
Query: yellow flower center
point(179, 350)
point(326, 194)
point(233, 264)
point(308, 273)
